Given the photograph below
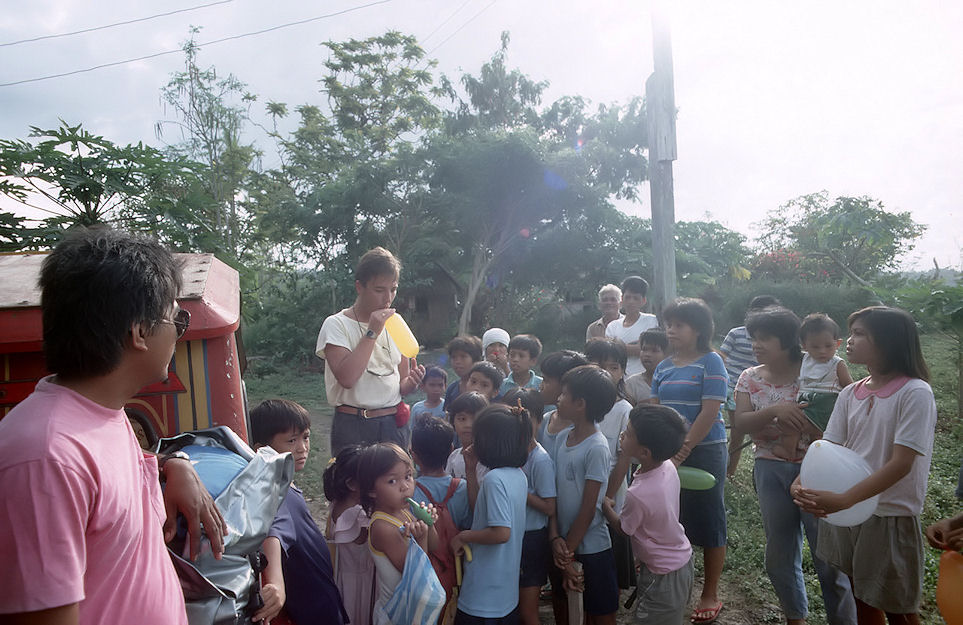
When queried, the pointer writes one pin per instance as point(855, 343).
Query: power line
point(209, 43)
point(457, 30)
point(105, 26)
point(447, 19)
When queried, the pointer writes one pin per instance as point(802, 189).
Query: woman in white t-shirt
point(365, 375)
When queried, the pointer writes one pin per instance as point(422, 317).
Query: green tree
point(855, 237)
point(78, 178)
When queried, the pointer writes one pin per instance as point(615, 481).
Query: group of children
point(570, 477)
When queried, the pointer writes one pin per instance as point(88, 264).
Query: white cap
point(494, 335)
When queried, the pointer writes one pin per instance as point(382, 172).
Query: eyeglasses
point(181, 320)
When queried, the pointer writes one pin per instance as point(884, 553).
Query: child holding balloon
point(889, 419)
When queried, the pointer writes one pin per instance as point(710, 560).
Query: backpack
point(442, 557)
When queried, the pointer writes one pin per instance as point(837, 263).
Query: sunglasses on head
point(181, 320)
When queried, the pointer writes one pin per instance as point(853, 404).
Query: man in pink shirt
point(81, 509)
point(650, 514)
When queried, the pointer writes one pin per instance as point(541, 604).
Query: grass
point(745, 569)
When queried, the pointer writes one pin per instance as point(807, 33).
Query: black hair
point(594, 386)
point(501, 436)
point(763, 301)
point(658, 428)
point(375, 461)
point(557, 364)
point(635, 284)
point(528, 343)
point(377, 262)
point(893, 332)
point(95, 285)
point(436, 372)
point(654, 336)
point(780, 323)
point(530, 398)
point(601, 349)
point(472, 402)
point(431, 439)
point(471, 345)
point(815, 323)
point(694, 313)
point(490, 371)
point(342, 469)
point(277, 416)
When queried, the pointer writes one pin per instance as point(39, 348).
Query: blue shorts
point(463, 618)
point(601, 594)
point(536, 557)
point(703, 512)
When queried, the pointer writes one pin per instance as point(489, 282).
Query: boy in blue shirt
point(298, 572)
point(523, 352)
point(582, 464)
point(540, 472)
point(489, 592)
point(434, 403)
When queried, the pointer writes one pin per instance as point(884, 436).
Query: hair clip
point(332, 460)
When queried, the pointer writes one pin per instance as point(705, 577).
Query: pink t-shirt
point(82, 514)
point(650, 517)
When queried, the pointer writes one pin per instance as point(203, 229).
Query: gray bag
point(218, 592)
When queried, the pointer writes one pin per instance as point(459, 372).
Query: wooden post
point(660, 118)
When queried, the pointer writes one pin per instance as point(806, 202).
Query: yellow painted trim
point(200, 384)
point(185, 413)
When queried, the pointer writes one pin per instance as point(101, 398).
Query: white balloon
point(832, 467)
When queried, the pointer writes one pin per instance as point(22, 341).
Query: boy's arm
point(843, 375)
point(63, 615)
point(612, 516)
point(272, 581)
point(585, 514)
point(821, 503)
point(471, 475)
point(619, 471)
point(545, 505)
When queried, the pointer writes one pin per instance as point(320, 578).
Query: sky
point(775, 99)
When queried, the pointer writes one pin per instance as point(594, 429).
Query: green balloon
point(695, 479)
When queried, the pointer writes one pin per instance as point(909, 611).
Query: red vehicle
point(205, 386)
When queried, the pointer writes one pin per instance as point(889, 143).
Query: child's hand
point(471, 460)
point(416, 529)
point(819, 502)
point(433, 511)
point(560, 552)
point(942, 535)
point(458, 544)
point(273, 598)
point(574, 580)
point(682, 454)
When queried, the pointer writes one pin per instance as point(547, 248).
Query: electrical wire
point(201, 45)
point(105, 26)
point(447, 19)
point(457, 30)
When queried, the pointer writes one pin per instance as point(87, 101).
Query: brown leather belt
point(367, 413)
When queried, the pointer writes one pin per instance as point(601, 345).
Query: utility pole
point(660, 119)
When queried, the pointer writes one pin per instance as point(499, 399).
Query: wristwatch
point(370, 335)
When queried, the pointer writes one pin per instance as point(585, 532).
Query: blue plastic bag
point(419, 597)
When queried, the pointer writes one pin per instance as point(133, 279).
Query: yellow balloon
point(949, 588)
point(402, 336)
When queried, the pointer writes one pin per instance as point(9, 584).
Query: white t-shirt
point(870, 422)
point(455, 466)
point(614, 423)
point(637, 390)
point(631, 334)
point(821, 377)
point(380, 384)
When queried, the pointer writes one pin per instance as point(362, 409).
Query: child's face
point(566, 406)
point(520, 361)
point(629, 442)
point(391, 489)
point(461, 362)
point(632, 302)
point(860, 348)
point(681, 335)
point(434, 388)
point(821, 346)
point(298, 443)
point(496, 353)
point(551, 388)
point(652, 355)
point(615, 369)
point(481, 383)
point(462, 423)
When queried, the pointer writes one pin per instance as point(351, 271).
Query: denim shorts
point(703, 512)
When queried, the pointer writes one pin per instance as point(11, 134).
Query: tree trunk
point(480, 264)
